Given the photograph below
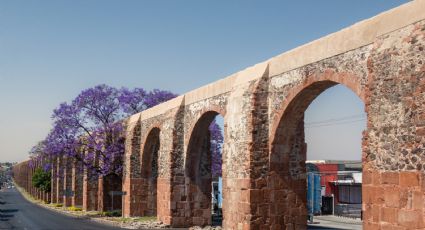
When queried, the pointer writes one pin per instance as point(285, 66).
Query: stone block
point(391, 178)
point(387, 226)
point(410, 219)
point(418, 200)
point(392, 197)
point(389, 215)
point(409, 179)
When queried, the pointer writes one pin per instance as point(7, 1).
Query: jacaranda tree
point(217, 141)
point(89, 129)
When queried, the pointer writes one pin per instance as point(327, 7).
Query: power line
point(335, 124)
point(337, 119)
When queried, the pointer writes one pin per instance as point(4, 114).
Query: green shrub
point(42, 180)
point(57, 205)
point(75, 209)
point(114, 213)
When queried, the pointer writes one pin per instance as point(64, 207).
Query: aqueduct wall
point(381, 59)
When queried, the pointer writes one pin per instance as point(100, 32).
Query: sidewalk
point(336, 222)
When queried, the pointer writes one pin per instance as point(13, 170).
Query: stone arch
point(198, 170)
point(287, 169)
point(149, 172)
point(329, 78)
point(212, 109)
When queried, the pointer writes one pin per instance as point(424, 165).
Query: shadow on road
point(7, 214)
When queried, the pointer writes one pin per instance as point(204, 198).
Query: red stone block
point(387, 226)
point(376, 178)
point(405, 193)
point(390, 178)
point(367, 177)
point(245, 194)
point(418, 200)
point(422, 175)
point(376, 213)
point(389, 215)
point(408, 179)
point(256, 196)
point(392, 197)
point(410, 219)
point(371, 226)
point(367, 194)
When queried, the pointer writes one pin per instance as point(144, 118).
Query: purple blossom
point(137, 100)
point(217, 141)
point(157, 96)
point(92, 124)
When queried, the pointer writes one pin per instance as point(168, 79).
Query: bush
point(42, 180)
point(75, 209)
point(114, 213)
point(57, 205)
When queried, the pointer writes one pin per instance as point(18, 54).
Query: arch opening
point(112, 183)
point(316, 187)
point(149, 173)
point(204, 170)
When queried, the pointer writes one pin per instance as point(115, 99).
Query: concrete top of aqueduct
point(355, 36)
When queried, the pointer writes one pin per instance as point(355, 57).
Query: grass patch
point(56, 205)
point(145, 218)
point(136, 219)
point(75, 209)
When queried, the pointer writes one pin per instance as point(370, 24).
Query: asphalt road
point(17, 213)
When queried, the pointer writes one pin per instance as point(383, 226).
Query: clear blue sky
point(51, 50)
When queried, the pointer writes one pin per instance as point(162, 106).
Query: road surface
point(18, 213)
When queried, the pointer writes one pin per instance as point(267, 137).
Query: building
point(340, 188)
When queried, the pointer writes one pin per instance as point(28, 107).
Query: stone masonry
point(167, 157)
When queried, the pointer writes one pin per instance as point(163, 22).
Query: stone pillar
point(100, 195)
point(164, 205)
point(132, 183)
point(90, 190)
point(394, 143)
point(132, 201)
point(59, 180)
point(53, 192)
point(77, 184)
point(32, 188)
point(172, 199)
point(28, 179)
point(67, 181)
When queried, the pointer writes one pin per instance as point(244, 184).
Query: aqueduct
point(381, 59)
